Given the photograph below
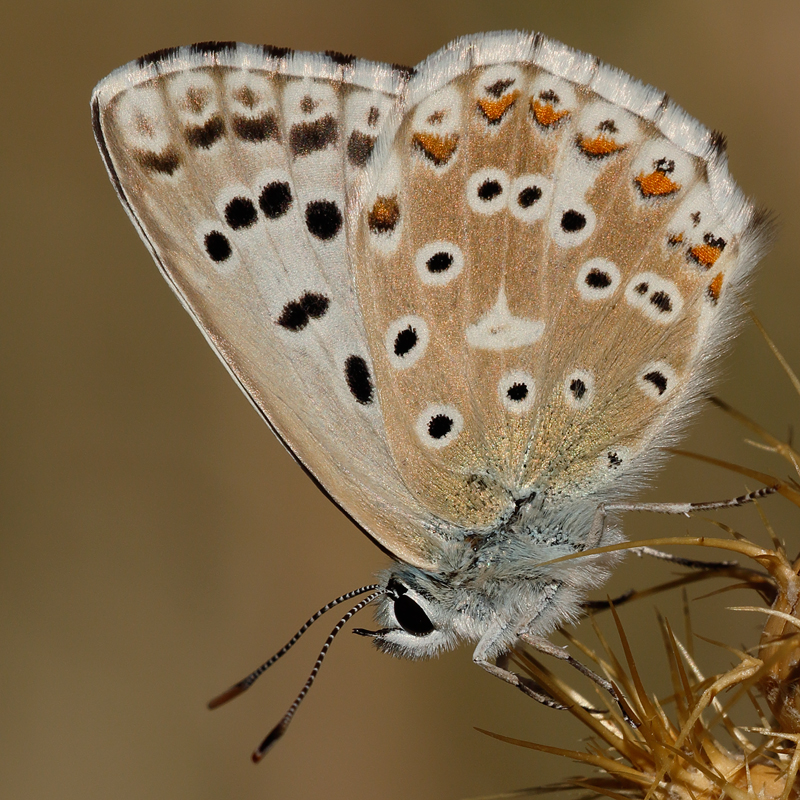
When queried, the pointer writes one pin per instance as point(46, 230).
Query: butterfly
point(475, 299)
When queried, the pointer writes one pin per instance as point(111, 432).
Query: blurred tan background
point(157, 542)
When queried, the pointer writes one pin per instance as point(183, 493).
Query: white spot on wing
point(309, 100)
point(439, 262)
point(487, 191)
point(657, 380)
point(551, 99)
point(438, 425)
point(516, 391)
point(436, 124)
point(657, 298)
point(529, 197)
point(661, 170)
point(603, 127)
point(591, 277)
point(416, 327)
point(499, 329)
point(193, 96)
point(386, 186)
point(250, 94)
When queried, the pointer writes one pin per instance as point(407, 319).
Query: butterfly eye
point(411, 618)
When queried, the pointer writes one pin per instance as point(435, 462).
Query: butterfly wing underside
point(504, 275)
point(549, 257)
point(234, 163)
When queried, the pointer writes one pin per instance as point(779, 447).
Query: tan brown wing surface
point(561, 264)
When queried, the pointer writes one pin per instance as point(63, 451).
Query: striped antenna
point(281, 727)
point(247, 682)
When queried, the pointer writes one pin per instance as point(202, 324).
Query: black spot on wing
point(275, 199)
point(662, 301)
point(296, 314)
point(572, 221)
point(166, 163)
point(257, 129)
point(309, 137)
point(405, 341)
point(323, 219)
point(439, 426)
point(315, 304)
point(293, 317)
point(359, 148)
point(598, 279)
point(528, 196)
point(359, 380)
point(578, 388)
point(439, 262)
point(490, 189)
point(217, 246)
point(517, 392)
point(203, 136)
point(658, 379)
point(498, 87)
point(241, 213)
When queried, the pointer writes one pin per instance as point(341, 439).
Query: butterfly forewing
point(560, 268)
point(235, 166)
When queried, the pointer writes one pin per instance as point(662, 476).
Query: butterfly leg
point(542, 645)
point(604, 605)
point(604, 509)
point(690, 508)
point(691, 563)
point(481, 658)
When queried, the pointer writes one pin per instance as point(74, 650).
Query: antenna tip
point(228, 695)
point(273, 737)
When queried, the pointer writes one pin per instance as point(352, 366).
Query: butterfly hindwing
point(564, 263)
point(235, 164)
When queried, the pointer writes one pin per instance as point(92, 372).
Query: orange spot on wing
point(705, 254)
point(715, 287)
point(546, 115)
point(495, 110)
point(656, 184)
point(599, 147)
point(383, 216)
point(438, 149)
